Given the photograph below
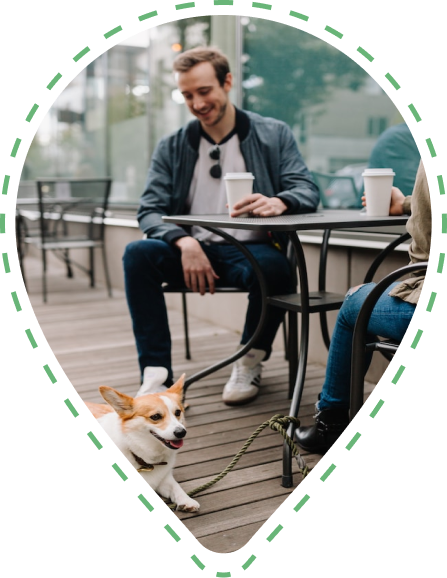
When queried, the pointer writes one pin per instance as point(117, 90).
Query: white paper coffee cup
point(377, 184)
point(238, 186)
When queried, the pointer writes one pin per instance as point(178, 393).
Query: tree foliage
point(287, 70)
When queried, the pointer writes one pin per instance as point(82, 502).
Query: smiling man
point(186, 176)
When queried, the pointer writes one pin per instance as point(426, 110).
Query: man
point(186, 176)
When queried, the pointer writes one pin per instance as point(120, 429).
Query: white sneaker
point(242, 387)
point(153, 380)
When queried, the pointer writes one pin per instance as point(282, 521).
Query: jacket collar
point(242, 129)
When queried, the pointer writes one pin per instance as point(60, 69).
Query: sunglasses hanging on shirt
point(215, 170)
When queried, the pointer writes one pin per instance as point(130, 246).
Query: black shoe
point(329, 425)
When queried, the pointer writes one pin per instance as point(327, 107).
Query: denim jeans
point(149, 263)
point(390, 318)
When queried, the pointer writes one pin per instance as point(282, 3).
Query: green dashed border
point(16, 303)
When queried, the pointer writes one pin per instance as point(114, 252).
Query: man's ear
point(228, 82)
point(121, 403)
point(178, 386)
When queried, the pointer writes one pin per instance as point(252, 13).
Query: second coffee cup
point(378, 183)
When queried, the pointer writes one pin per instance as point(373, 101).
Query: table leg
point(263, 287)
point(19, 232)
point(287, 478)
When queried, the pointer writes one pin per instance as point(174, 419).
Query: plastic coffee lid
point(238, 176)
point(378, 172)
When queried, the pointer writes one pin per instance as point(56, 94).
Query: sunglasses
point(215, 170)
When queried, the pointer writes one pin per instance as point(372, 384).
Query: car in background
point(342, 189)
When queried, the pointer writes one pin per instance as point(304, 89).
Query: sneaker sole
point(240, 401)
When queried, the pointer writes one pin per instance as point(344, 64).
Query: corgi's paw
point(188, 505)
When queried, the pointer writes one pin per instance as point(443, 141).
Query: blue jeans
point(390, 318)
point(149, 263)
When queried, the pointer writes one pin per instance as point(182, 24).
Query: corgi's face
point(158, 414)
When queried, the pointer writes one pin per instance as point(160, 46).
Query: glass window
point(111, 116)
point(335, 109)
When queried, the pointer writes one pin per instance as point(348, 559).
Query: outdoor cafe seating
point(45, 222)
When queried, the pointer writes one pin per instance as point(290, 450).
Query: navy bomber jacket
point(270, 153)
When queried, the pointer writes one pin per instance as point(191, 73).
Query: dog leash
point(277, 423)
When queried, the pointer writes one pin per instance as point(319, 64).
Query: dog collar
point(145, 467)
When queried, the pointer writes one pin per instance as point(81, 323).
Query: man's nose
point(198, 103)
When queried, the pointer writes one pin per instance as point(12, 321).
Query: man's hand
point(197, 269)
point(396, 204)
point(259, 206)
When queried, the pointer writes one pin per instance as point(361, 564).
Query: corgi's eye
point(178, 413)
point(156, 417)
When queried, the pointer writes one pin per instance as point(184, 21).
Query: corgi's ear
point(121, 403)
point(178, 386)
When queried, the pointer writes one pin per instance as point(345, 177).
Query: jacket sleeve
point(157, 199)
point(298, 190)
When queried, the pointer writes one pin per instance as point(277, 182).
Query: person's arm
point(298, 190)
point(158, 197)
point(419, 224)
point(197, 270)
point(400, 204)
point(295, 190)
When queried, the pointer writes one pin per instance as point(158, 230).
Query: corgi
point(149, 431)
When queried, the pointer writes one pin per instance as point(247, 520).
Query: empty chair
point(59, 201)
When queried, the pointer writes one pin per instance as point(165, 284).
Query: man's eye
point(178, 413)
point(156, 417)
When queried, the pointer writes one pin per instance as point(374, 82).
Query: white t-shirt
point(207, 195)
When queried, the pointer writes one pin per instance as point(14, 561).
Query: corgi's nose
point(180, 433)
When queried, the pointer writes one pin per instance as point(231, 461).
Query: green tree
point(286, 70)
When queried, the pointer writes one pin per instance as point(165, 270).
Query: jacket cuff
point(291, 201)
point(407, 205)
point(172, 236)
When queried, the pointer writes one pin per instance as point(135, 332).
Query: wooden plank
point(92, 338)
point(230, 540)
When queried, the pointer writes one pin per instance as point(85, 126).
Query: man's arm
point(197, 270)
point(298, 190)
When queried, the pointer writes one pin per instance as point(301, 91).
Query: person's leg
point(234, 269)
point(390, 318)
point(147, 264)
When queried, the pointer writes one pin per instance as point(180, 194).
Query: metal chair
point(184, 291)
point(360, 345)
point(57, 198)
point(337, 191)
point(321, 301)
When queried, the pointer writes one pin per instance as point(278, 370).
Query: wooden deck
point(92, 338)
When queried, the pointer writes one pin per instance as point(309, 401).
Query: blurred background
point(109, 119)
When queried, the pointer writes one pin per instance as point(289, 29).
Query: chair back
point(337, 191)
point(60, 196)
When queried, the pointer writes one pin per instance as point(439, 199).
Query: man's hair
point(211, 54)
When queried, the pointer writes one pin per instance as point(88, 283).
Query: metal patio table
point(325, 219)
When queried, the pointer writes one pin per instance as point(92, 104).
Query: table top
point(322, 219)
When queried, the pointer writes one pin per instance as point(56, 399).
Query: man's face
point(204, 96)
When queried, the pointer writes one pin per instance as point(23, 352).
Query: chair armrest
point(360, 330)
point(382, 256)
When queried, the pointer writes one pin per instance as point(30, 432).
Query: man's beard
point(220, 115)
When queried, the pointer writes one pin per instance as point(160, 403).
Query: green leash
point(277, 423)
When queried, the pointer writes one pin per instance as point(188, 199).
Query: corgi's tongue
point(176, 444)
